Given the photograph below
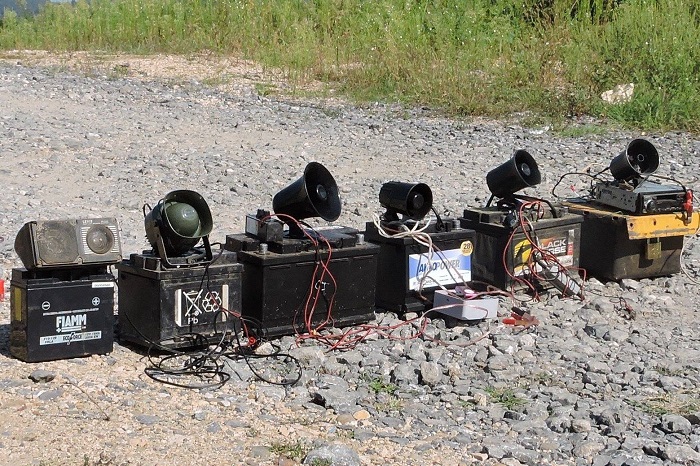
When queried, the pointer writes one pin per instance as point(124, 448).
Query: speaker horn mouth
point(315, 194)
point(519, 172)
point(179, 220)
point(414, 200)
point(640, 158)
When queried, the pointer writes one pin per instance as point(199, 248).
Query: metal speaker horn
point(52, 244)
point(176, 224)
point(315, 194)
point(639, 159)
point(414, 200)
point(517, 173)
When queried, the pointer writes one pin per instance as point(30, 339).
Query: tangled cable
point(201, 361)
point(537, 262)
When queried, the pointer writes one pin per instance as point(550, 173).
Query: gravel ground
point(590, 385)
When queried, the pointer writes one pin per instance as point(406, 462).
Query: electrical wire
point(201, 365)
point(529, 273)
point(594, 177)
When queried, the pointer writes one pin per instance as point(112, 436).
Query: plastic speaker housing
point(519, 172)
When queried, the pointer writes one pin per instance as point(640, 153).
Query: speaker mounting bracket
point(193, 257)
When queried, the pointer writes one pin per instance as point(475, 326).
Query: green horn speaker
point(177, 224)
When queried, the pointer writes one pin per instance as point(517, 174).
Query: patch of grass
point(378, 385)
point(292, 450)
point(393, 403)
point(676, 403)
point(321, 462)
point(265, 90)
point(551, 59)
point(505, 397)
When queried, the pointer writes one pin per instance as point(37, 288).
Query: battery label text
point(441, 268)
point(68, 338)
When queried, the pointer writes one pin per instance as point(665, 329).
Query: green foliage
point(505, 397)
point(495, 57)
point(292, 450)
point(678, 403)
point(378, 385)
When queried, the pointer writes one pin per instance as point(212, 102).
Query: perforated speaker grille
point(57, 242)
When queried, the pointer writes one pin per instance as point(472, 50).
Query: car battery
point(503, 250)
point(176, 307)
point(408, 274)
point(280, 275)
point(617, 245)
point(61, 314)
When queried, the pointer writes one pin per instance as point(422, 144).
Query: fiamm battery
point(61, 314)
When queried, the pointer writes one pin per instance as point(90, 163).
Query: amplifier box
point(61, 314)
point(165, 306)
point(408, 274)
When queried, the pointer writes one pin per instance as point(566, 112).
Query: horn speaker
point(315, 194)
point(177, 223)
point(640, 158)
point(517, 173)
point(413, 200)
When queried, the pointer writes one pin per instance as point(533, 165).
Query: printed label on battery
point(200, 307)
point(103, 284)
point(443, 268)
point(68, 338)
point(560, 246)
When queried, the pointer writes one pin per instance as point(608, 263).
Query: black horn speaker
point(414, 200)
point(517, 173)
point(51, 244)
point(315, 194)
point(640, 158)
point(177, 223)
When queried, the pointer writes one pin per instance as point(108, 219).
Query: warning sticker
point(68, 338)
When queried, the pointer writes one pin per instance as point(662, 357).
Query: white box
point(465, 309)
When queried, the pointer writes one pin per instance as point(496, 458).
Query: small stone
point(41, 375)
point(675, 424)
point(580, 425)
point(337, 454)
point(588, 449)
point(361, 415)
point(260, 451)
point(147, 419)
point(430, 373)
point(680, 454)
point(49, 395)
point(213, 428)
point(345, 419)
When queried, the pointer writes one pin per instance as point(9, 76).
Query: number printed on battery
point(70, 337)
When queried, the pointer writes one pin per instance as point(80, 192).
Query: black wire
point(561, 178)
point(204, 365)
point(439, 224)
